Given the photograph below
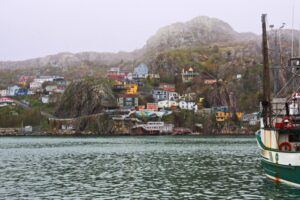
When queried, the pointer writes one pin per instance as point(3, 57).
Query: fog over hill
point(199, 32)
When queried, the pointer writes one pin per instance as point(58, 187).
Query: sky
point(35, 28)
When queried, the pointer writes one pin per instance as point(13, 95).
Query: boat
point(153, 128)
point(279, 135)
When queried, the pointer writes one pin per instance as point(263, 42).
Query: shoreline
point(16, 132)
point(90, 134)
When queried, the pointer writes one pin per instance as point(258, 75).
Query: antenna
point(293, 15)
point(299, 46)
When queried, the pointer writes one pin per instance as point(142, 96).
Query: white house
point(185, 105)
point(3, 93)
point(141, 71)
point(43, 79)
point(160, 95)
point(51, 88)
point(45, 99)
point(35, 85)
point(251, 119)
point(167, 104)
point(12, 90)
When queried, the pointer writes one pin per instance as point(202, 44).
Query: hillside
point(208, 44)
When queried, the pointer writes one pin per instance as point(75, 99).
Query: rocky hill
point(65, 60)
point(200, 31)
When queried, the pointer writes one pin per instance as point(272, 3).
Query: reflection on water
point(135, 168)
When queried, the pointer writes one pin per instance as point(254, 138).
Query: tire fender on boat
point(285, 144)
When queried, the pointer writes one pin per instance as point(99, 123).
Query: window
point(294, 138)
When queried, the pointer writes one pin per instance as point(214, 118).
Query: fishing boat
point(279, 135)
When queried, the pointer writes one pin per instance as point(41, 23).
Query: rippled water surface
point(135, 168)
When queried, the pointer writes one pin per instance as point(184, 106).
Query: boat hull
point(282, 173)
point(281, 167)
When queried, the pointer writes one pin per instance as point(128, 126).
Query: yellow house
point(223, 116)
point(23, 83)
point(131, 89)
point(239, 115)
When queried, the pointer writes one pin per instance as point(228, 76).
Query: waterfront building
point(251, 118)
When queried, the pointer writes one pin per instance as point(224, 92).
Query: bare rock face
point(85, 97)
point(198, 31)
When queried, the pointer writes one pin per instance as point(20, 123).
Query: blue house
point(141, 71)
point(22, 92)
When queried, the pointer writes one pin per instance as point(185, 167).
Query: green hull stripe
point(284, 172)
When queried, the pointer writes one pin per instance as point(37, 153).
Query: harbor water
point(145, 167)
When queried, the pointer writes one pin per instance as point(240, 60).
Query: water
point(135, 168)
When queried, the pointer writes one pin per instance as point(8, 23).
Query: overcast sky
point(34, 28)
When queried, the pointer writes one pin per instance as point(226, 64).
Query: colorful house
point(115, 73)
point(24, 80)
point(22, 92)
point(223, 116)
point(167, 104)
point(167, 87)
point(141, 71)
point(127, 100)
point(3, 93)
point(12, 90)
point(152, 106)
point(35, 85)
point(252, 118)
point(6, 101)
point(131, 88)
point(125, 88)
point(161, 95)
point(188, 74)
point(186, 105)
point(154, 76)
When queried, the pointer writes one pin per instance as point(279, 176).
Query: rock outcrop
point(85, 97)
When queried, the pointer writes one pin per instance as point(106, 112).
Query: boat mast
point(266, 102)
